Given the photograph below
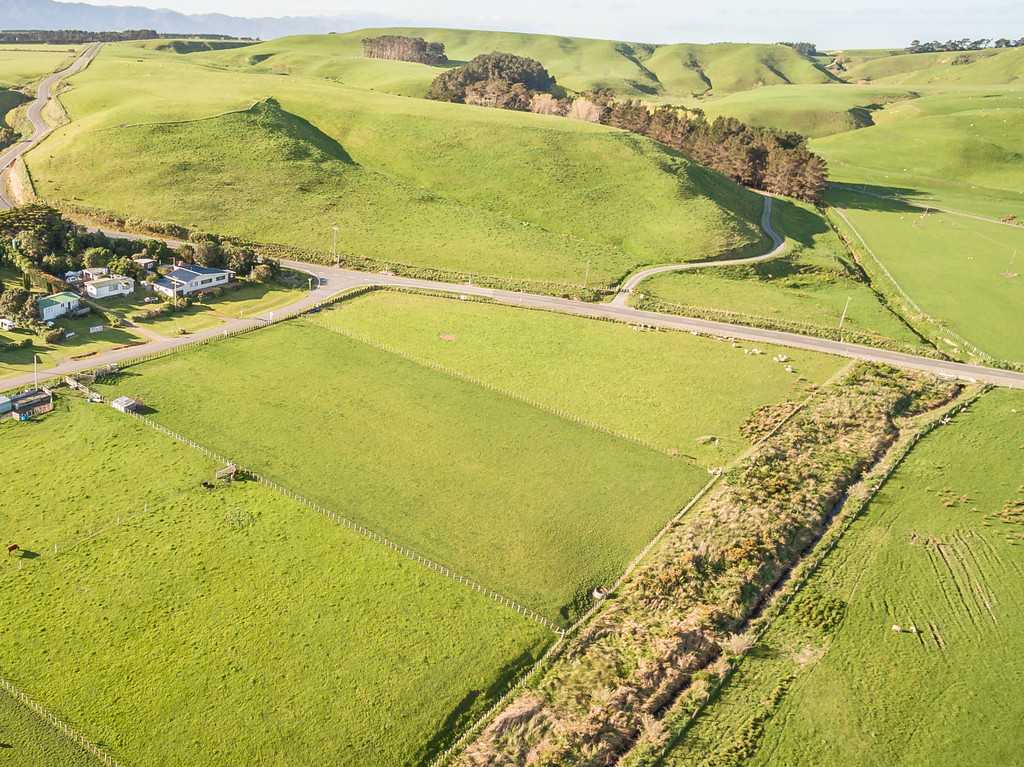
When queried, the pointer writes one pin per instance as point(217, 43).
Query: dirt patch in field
point(447, 337)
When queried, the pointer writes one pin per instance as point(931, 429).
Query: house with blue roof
point(190, 279)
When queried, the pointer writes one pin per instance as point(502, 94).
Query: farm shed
point(125, 404)
point(114, 285)
point(95, 273)
point(32, 402)
point(57, 305)
point(5, 405)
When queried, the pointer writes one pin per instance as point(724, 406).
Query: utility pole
point(35, 370)
point(586, 276)
point(334, 247)
point(843, 318)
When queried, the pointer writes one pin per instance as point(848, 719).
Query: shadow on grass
point(472, 706)
point(875, 198)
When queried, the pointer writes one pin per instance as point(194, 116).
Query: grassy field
point(21, 64)
point(229, 625)
point(27, 739)
point(810, 283)
point(939, 549)
point(472, 189)
point(660, 386)
point(579, 64)
point(953, 267)
point(525, 502)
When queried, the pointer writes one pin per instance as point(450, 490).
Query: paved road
point(778, 247)
point(40, 128)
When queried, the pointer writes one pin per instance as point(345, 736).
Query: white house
point(57, 305)
point(95, 273)
point(186, 280)
point(114, 285)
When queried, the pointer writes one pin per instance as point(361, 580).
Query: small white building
point(190, 279)
point(57, 305)
point(149, 264)
point(94, 273)
point(125, 404)
point(6, 324)
point(114, 285)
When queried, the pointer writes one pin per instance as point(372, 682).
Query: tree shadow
point(472, 705)
point(873, 197)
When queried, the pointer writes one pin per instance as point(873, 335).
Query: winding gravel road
point(779, 247)
point(40, 128)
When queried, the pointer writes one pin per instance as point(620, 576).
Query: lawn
point(939, 549)
point(476, 190)
point(810, 283)
point(83, 344)
point(952, 266)
point(532, 505)
point(664, 387)
point(229, 626)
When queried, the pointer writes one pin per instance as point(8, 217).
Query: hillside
point(990, 66)
point(476, 190)
point(663, 71)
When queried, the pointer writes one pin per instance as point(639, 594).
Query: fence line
point(497, 389)
point(58, 724)
point(910, 302)
point(364, 531)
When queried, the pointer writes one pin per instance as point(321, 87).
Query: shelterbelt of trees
point(761, 158)
point(402, 48)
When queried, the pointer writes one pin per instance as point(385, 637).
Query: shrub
point(53, 336)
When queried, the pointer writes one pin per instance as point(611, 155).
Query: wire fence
point(364, 531)
point(59, 724)
point(497, 389)
point(951, 334)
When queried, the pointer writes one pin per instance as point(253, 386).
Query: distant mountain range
point(48, 14)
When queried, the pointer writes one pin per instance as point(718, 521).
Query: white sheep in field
point(897, 629)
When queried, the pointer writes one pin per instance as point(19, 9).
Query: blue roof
point(195, 271)
point(163, 282)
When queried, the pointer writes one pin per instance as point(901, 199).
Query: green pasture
point(811, 110)
point(21, 64)
point(940, 550)
point(961, 68)
point(953, 148)
point(477, 190)
point(809, 283)
point(28, 739)
point(532, 505)
point(673, 389)
point(229, 625)
point(953, 267)
point(578, 64)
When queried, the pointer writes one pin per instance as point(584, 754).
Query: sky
point(849, 24)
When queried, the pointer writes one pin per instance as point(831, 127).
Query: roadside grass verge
point(945, 523)
point(673, 389)
point(810, 283)
point(531, 505)
point(230, 625)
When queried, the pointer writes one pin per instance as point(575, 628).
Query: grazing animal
point(12, 548)
point(897, 628)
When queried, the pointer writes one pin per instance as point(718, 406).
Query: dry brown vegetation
point(667, 634)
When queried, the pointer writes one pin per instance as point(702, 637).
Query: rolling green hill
point(990, 66)
point(477, 190)
point(579, 64)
